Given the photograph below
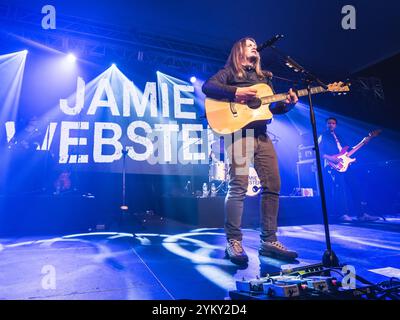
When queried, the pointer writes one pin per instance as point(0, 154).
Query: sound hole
point(254, 103)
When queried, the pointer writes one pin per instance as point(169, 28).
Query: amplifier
point(307, 177)
point(305, 152)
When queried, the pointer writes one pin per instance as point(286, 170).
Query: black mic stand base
point(126, 221)
point(329, 259)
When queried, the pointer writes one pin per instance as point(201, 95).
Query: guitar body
point(344, 161)
point(226, 117)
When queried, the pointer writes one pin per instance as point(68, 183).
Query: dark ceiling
point(312, 29)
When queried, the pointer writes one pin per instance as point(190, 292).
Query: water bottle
point(205, 190)
point(213, 190)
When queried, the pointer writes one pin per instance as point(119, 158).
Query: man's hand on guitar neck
point(291, 97)
point(244, 94)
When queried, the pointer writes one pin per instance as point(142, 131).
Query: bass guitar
point(343, 159)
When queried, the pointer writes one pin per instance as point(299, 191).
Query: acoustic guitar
point(226, 117)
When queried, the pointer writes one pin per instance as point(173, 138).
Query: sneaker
point(365, 217)
point(276, 249)
point(345, 218)
point(235, 252)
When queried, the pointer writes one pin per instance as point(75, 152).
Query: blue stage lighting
point(71, 57)
point(193, 79)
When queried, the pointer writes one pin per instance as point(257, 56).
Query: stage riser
point(53, 215)
point(209, 212)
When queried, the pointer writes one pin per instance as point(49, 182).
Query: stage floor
point(168, 260)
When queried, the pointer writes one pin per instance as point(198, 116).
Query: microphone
point(269, 42)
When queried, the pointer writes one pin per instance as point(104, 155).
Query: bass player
point(342, 192)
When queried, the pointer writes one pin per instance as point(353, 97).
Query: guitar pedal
point(281, 290)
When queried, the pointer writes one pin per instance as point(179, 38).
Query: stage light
point(114, 65)
point(12, 67)
point(25, 51)
point(71, 57)
point(193, 79)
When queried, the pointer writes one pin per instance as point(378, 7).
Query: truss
point(90, 38)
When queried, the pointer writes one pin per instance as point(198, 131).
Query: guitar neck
point(356, 148)
point(300, 93)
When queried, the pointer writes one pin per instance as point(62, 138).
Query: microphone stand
point(124, 207)
point(329, 258)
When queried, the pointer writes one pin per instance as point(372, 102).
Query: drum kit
point(219, 173)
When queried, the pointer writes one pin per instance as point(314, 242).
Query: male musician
point(338, 189)
point(331, 144)
point(243, 69)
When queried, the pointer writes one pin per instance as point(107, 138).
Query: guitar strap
point(339, 146)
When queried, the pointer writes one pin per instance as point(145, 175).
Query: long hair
point(237, 56)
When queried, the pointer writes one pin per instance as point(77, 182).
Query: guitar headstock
point(372, 134)
point(375, 133)
point(339, 87)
